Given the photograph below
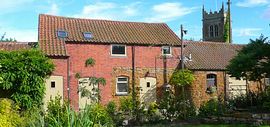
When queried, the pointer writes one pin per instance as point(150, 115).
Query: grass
point(203, 125)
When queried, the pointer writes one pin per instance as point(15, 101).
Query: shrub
point(211, 108)
point(59, 115)
point(167, 105)
point(24, 73)
point(252, 101)
point(33, 117)
point(126, 104)
point(98, 115)
point(9, 115)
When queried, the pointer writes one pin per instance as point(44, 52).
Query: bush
point(9, 115)
point(59, 115)
point(126, 105)
point(252, 101)
point(33, 117)
point(24, 73)
point(211, 108)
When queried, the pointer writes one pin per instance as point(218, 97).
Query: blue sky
point(250, 18)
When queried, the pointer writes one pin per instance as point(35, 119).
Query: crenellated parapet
point(213, 14)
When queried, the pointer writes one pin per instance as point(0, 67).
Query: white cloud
point(252, 3)
point(54, 9)
point(132, 9)
point(169, 11)
point(100, 10)
point(243, 32)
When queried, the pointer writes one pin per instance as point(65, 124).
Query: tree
point(180, 79)
point(253, 61)
point(24, 73)
point(3, 39)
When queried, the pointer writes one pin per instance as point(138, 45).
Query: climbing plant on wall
point(94, 93)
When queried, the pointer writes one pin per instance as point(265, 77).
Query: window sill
point(121, 94)
point(118, 56)
point(167, 56)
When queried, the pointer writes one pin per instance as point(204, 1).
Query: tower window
point(211, 31)
point(216, 30)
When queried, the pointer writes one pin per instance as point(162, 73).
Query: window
point(216, 30)
point(118, 50)
point(211, 82)
point(166, 50)
point(121, 85)
point(61, 33)
point(87, 35)
point(52, 84)
point(211, 31)
point(148, 84)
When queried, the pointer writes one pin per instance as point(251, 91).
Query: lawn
point(203, 125)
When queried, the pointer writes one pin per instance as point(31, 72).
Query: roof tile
point(210, 55)
point(104, 31)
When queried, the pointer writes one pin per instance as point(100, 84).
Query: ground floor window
point(211, 83)
point(121, 85)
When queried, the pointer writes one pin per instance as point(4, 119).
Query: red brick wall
point(198, 88)
point(61, 70)
point(145, 57)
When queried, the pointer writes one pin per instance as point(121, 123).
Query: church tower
point(217, 25)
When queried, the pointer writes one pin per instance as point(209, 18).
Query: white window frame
point(163, 52)
point(118, 54)
point(121, 93)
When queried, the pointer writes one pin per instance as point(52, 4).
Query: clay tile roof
point(210, 55)
point(11, 46)
point(103, 31)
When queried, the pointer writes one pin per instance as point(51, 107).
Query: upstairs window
point(216, 30)
point(166, 50)
point(87, 35)
point(62, 34)
point(121, 85)
point(211, 31)
point(211, 83)
point(118, 50)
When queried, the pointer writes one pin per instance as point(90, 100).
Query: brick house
point(120, 47)
point(115, 46)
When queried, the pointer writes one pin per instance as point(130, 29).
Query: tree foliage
point(23, 73)
point(182, 78)
point(253, 61)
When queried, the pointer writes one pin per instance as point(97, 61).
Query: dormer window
point(61, 34)
point(87, 35)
